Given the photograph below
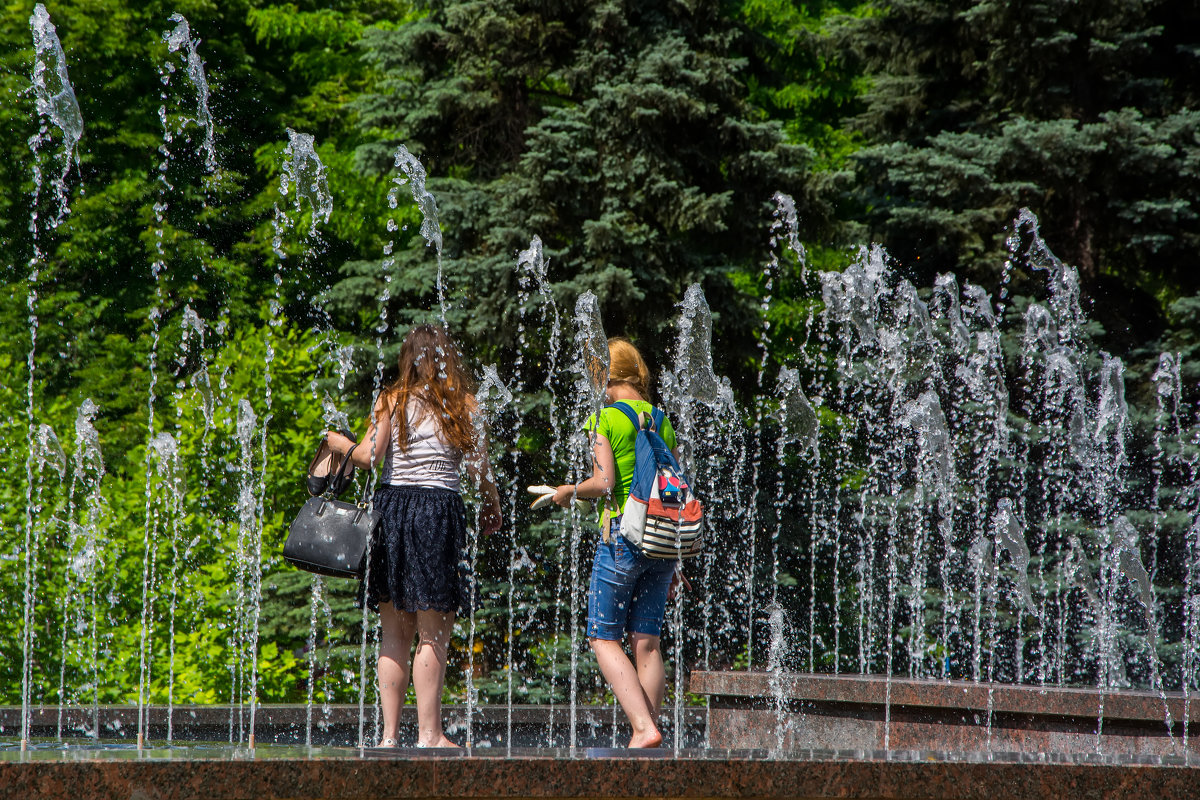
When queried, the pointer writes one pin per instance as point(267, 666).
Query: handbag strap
point(337, 479)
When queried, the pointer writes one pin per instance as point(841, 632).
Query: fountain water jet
point(965, 543)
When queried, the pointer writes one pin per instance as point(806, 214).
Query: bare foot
point(441, 741)
point(649, 738)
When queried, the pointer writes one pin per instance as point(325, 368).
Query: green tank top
point(619, 431)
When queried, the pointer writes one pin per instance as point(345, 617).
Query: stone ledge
point(998, 698)
point(797, 711)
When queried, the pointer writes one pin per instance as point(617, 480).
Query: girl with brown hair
point(422, 430)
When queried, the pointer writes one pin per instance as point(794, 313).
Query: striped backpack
point(661, 515)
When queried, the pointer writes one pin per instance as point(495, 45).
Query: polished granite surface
point(52, 770)
point(845, 763)
point(54, 751)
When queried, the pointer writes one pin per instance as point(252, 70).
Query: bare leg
point(395, 646)
point(623, 678)
point(650, 671)
point(429, 675)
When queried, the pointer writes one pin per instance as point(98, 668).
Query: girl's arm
point(375, 441)
point(479, 470)
point(602, 480)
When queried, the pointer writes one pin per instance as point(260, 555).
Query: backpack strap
point(610, 510)
point(635, 419)
point(627, 410)
point(656, 416)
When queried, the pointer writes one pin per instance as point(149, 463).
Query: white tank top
point(428, 460)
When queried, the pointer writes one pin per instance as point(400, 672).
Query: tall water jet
point(431, 229)
point(56, 106)
point(785, 226)
point(83, 556)
point(493, 398)
point(1168, 389)
point(702, 413)
point(248, 572)
point(797, 442)
point(532, 281)
point(713, 446)
point(164, 510)
point(589, 367)
point(45, 454)
point(303, 179)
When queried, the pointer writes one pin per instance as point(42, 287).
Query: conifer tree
point(618, 132)
point(1083, 112)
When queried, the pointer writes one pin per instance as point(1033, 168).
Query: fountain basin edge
point(797, 711)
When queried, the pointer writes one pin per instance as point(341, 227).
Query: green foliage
point(799, 74)
point(642, 142)
point(173, 578)
point(1083, 113)
point(622, 135)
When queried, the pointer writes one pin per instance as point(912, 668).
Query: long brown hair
point(432, 372)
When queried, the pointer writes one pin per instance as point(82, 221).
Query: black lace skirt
point(418, 556)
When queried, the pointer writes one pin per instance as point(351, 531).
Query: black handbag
point(329, 536)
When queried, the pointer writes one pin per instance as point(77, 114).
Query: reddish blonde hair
point(432, 372)
point(626, 365)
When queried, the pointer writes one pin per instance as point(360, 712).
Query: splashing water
point(1011, 537)
point(493, 398)
point(180, 37)
point(797, 419)
point(56, 102)
point(431, 229)
point(592, 347)
point(693, 345)
point(302, 167)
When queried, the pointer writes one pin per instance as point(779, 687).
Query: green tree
point(150, 237)
point(151, 230)
point(623, 135)
point(1083, 112)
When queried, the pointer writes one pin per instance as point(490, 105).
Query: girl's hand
point(678, 579)
point(564, 495)
point(490, 519)
point(338, 442)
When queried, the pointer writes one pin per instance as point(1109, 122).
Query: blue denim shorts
point(628, 591)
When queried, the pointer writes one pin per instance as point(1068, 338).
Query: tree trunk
point(1081, 246)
